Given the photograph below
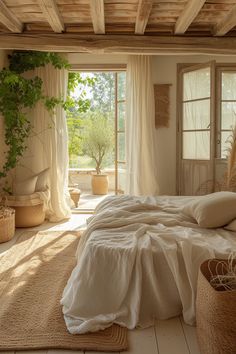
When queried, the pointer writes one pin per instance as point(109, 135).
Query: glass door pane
point(121, 78)
point(228, 111)
point(196, 145)
point(121, 115)
point(229, 85)
point(121, 146)
point(197, 84)
point(121, 173)
point(120, 132)
point(228, 115)
point(196, 114)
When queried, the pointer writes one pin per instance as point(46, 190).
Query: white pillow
point(212, 210)
point(231, 226)
point(25, 187)
point(41, 184)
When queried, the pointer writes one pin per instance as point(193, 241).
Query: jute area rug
point(33, 274)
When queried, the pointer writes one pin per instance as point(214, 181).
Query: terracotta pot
point(100, 184)
point(75, 195)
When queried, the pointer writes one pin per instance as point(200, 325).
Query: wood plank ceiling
point(110, 18)
point(153, 17)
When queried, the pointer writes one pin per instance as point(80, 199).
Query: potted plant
point(97, 142)
point(18, 94)
point(215, 306)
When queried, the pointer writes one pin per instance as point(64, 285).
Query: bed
point(138, 261)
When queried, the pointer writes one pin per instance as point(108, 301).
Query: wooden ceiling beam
point(52, 14)
point(119, 44)
point(189, 13)
point(8, 19)
point(98, 16)
point(143, 13)
point(226, 24)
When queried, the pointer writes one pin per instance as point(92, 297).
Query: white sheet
point(138, 260)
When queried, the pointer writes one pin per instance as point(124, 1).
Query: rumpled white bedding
point(138, 260)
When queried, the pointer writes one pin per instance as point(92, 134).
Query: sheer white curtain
point(141, 172)
point(48, 145)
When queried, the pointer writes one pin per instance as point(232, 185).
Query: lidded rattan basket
point(29, 209)
point(215, 313)
point(7, 223)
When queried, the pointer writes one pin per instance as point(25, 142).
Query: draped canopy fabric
point(141, 173)
point(47, 146)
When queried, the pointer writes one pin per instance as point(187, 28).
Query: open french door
point(120, 109)
point(196, 130)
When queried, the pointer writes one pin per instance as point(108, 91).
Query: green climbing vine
point(18, 93)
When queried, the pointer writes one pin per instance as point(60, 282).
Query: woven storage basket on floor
point(7, 223)
point(29, 210)
point(216, 314)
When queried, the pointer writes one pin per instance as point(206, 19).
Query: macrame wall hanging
point(162, 105)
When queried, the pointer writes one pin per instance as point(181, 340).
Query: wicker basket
point(216, 314)
point(29, 210)
point(7, 223)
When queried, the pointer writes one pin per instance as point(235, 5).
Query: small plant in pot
point(97, 143)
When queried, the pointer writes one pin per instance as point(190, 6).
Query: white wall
point(164, 71)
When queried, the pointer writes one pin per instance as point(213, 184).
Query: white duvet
point(137, 261)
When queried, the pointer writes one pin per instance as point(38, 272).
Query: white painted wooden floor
point(167, 337)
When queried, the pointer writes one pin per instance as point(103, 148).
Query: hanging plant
point(22, 61)
point(18, 94)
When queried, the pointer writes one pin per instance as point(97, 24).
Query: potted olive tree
point(97, 142)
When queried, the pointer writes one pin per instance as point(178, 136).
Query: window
point(207, 114)
point(226, 109)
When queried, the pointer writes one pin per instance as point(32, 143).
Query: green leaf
point(17, 94)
